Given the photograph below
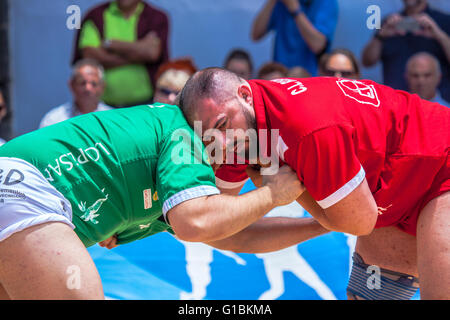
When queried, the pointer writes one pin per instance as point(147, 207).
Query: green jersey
point(121, 170)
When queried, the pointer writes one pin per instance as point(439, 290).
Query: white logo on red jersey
point(296, 86)
point(359, 91)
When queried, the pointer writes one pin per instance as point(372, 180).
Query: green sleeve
point(183, 171)
point(89, 36)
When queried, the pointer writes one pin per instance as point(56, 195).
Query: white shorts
point(28, 199)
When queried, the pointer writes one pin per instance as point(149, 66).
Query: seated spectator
point(416, 29)
point(86, 85)
point(239, 62)
point(304, 29)
point(423, 75)
point(171, 78)
point(129, 38)
point(3, 111)
point(272, 70)
point(298, 72)
point(340, 63)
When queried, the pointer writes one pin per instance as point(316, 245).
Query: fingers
point(109, 243)
point(285, 185)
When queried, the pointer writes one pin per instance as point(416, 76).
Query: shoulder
point(97, 9)
point(103, 107)
point(155, 13)
point(441, 18)
point(56, 114)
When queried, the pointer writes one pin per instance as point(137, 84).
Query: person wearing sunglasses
point(171, 78)
point(340, 63)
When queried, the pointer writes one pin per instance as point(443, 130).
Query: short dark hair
point(210, 82)
point(326, 57)
point(270, 67)
point(239, 54)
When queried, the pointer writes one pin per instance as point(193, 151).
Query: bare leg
point(3, 294)
point(389, 248)
point(433, 248)
point(48, 261)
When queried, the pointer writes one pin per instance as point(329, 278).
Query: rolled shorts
point(28, 199)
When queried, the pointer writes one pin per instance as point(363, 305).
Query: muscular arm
point(355, 214)
point(271, 234)
point(212, 218)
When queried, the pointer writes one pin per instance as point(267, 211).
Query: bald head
point(216, 84)
point(423, 74)
point(424, 58)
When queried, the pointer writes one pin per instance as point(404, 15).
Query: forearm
point(444, 39)
point(315, 40)
point(271, 234)
point(134, 52)
point(107, 59)
point(372, 52)
point(220, 216)
point(261, 22)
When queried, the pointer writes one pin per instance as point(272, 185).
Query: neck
point(429, 96)
point(127, 12)
point(86, 107)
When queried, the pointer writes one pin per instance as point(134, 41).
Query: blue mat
point(161, 267)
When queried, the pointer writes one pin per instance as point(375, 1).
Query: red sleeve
point(230, 176)
point(328, 165)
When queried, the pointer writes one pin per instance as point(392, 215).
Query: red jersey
point(335, 132)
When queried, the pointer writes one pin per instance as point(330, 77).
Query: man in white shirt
point(423, 74)
point(87, 86)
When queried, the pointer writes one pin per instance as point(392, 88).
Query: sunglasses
point(332, 73)
point(168, 92)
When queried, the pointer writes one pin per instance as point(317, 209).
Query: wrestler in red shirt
point(374, 161)
point(334, 132)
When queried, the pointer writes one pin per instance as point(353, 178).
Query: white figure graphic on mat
point(198, 260)
point(289, 259)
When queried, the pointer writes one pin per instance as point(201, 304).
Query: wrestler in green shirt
point(121, 170)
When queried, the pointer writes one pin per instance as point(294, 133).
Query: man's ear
point(245, 93)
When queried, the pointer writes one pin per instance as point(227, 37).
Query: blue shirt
point(290, 49)
point(397, 50)
point(438, 98)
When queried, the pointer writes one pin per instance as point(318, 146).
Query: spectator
point(171, 78)
point(417, 28)
point(240, 62)
point(87, 86)
point(272, 70)
point(129, 38)
point(298, 72)
point(3, 111)
point(339, 63)
point(304, 29)
point(423, 75)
